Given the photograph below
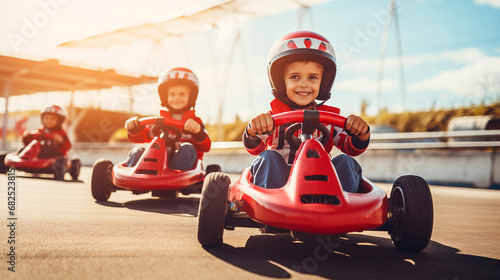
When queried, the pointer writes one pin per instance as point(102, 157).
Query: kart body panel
point(153, 173)
point(312, 201)
point(27, 160)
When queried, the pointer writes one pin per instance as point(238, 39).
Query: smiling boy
point(301, 69)
point(52, 118)
point(178, 90)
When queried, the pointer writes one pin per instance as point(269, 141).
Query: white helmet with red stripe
point(301, 46)
point(178, 76)
point(57, 111)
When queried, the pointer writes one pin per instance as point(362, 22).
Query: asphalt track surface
point(62, 233)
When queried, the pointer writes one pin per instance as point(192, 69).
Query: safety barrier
point(465, 158)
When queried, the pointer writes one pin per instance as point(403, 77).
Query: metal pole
point(6, 93)
point(131, 100)
point(71, 117)
point(400, 55)
point(220, 128)
point(383, 49)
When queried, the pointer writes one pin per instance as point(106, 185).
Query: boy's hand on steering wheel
point(356, 126)
point(58, 138)
point(260, 124)
point(192, 126)
point(132, 125)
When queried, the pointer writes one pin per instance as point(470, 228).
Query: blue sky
point(451, 52)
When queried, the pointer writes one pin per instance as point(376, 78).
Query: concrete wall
point(439, 166)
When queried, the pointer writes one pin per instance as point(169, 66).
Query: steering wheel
point(170, 128)
point(309, 121)
point(45, 139)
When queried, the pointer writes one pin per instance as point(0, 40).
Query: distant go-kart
point(152, 171)
point(29, 160)
point(313, 201)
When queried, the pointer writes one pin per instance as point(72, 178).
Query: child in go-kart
point(301, 69)
point(178, 91)
point(57, 140)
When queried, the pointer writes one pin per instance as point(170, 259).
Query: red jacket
point(62, 147)
point(200, 141)
point(338, 137)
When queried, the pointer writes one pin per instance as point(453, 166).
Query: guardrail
point(468, 158)
point(414, 140)
point(378, 141)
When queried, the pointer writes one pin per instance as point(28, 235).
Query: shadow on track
point(356, 256)
point(178, 206)
point(46, 177)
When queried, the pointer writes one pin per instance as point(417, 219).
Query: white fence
point(463, 158)
point(467, 158)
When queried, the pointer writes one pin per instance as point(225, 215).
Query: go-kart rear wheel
point(211, 168)
point(59, 168)
point(3, 168)
point(411, 211)
point(212, 210)
point(102, 184)
point(74, 171)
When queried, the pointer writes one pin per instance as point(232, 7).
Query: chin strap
point(320, 104)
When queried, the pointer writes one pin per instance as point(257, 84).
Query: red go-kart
point(313, 201)
point(152, 171)
point(31, 160)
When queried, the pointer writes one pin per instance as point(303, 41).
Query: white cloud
point(463, 56)
point(364, 85)
point(493, 3)
point(464, 81)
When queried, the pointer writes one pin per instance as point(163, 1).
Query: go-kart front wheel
point(3, 168)
point(74, 170)
point(411, 209)
point(211, 168)
point(59, 168)
point(102, 184)
point(212, 211)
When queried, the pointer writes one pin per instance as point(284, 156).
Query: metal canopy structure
point(20, 76)
point(228, 14)
point(233, 11)
point(30, 76)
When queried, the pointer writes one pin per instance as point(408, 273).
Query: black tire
point(60, 168)
point(211, 168)
point(74, 171)
point(3, 168)
point(102, 184)
point(212, 210)
point(412, 213)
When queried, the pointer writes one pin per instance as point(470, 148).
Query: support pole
point(130, 101)
point(220, 127)
point(402, 83)
point(71, 117)
point(6, 93)
point(383, 50)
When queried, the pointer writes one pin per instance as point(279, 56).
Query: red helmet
point(57, 111)
point(178, 76)
point(301, 46)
